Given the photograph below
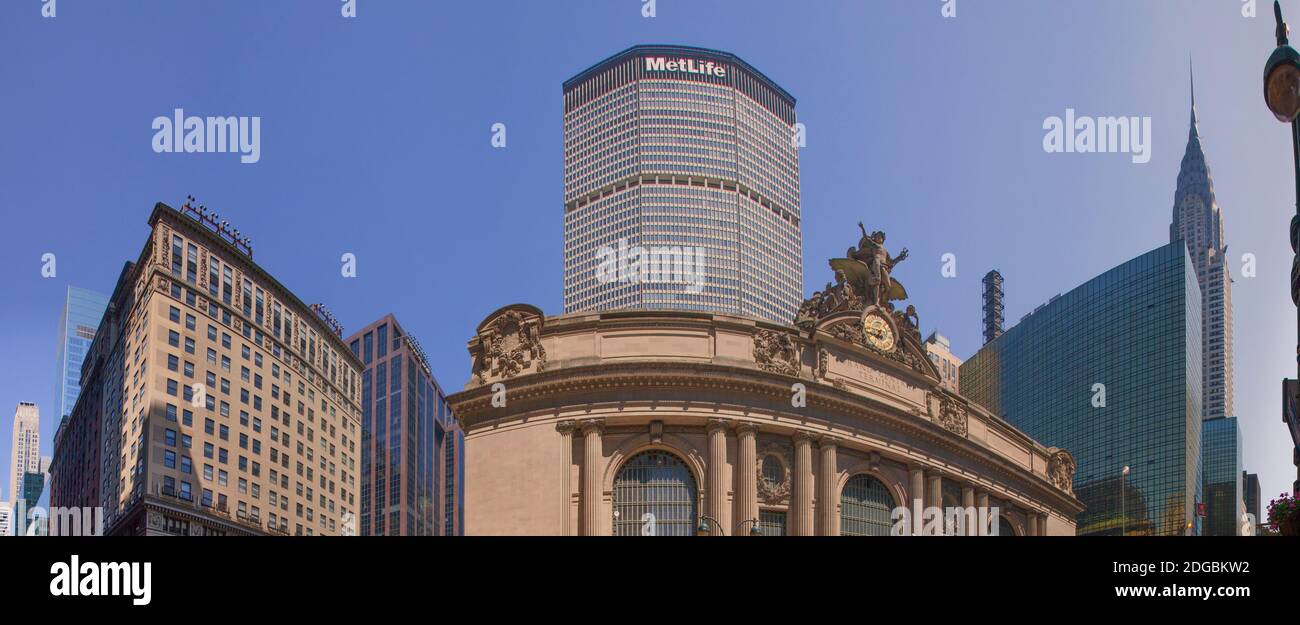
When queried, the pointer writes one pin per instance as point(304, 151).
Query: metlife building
point(681, 186)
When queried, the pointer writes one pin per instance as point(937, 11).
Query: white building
point(939, 350)
point(25, 450)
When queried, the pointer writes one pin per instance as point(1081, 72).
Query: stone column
point(1042, 524)
point(802, 495)
point(717, 473)
point(565, 428)
point(982, 503)
point(915, 497)
point(1031, 523)
point(827, 492)
point(934, 490)
point(971, 514)
point(746, 475)
point(592, 489)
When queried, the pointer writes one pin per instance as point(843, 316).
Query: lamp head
point(1282, 83)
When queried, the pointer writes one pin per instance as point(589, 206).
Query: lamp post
point(703, 528)
point(1123, 514)
point(1282, 95)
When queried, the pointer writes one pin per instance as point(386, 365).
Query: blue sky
point(375, 141)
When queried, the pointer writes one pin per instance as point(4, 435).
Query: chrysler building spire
point(1198, 221)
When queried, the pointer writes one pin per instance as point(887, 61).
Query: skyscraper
point(1111, 371)
point(25, 450)
point(82, 310)
point(1198, 222)
point(5, 514)
point(223, 405)
point(1221, 460)
point(681, 186)
point(410, 460)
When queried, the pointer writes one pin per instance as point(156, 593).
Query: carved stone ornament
point(155, 520)
point(953, 416)
point(772, 492)
point(510, 345)
point(776, 352)
point(847, 331)
point(823, 363)
point(1060, 468)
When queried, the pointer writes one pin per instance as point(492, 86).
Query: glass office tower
point(681, 169)
point(1111, 371)
point(1222, 476)
point(411, 445)
point(82, 310)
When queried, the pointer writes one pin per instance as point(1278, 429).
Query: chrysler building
point(1198, 221)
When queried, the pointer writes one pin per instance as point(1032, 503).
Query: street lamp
point(703, 528)
point(1123, 514)
point(1282, 95)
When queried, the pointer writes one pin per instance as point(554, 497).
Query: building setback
point(222, 403)
point(689, 154)
point(1112, 372)
point(410, 443)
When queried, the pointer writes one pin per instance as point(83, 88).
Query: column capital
point(829, 440)
point(800, 436)
point(746, 426)
point(592, 425)
point(566, 426)
point(715, 424)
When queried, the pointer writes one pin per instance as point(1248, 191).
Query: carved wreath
point(509, 346)
point(953, 417)
point(776, 352)
point(770, 492)
point(1060, 468)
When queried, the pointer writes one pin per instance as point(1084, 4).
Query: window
point(772, 522)
point(657, 483)
point(865, 507)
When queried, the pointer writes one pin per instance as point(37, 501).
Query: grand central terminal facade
point(667, 422)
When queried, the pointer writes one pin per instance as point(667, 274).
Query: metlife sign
point(685, 66)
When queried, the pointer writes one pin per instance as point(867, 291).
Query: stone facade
point(769, 419)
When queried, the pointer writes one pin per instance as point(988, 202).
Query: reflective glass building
point(411, 445)
point(1221, 460)
point(82, 310)
point(686, 155)
point(1112, 372)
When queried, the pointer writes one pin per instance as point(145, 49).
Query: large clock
point(878, 331)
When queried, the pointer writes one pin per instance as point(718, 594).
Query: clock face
point(879, 333)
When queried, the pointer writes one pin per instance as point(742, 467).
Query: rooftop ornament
point(213, 222)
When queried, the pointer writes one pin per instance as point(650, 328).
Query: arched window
point(654, 495)
point(865, 507)
point(1005, 528)
point(773, 471)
